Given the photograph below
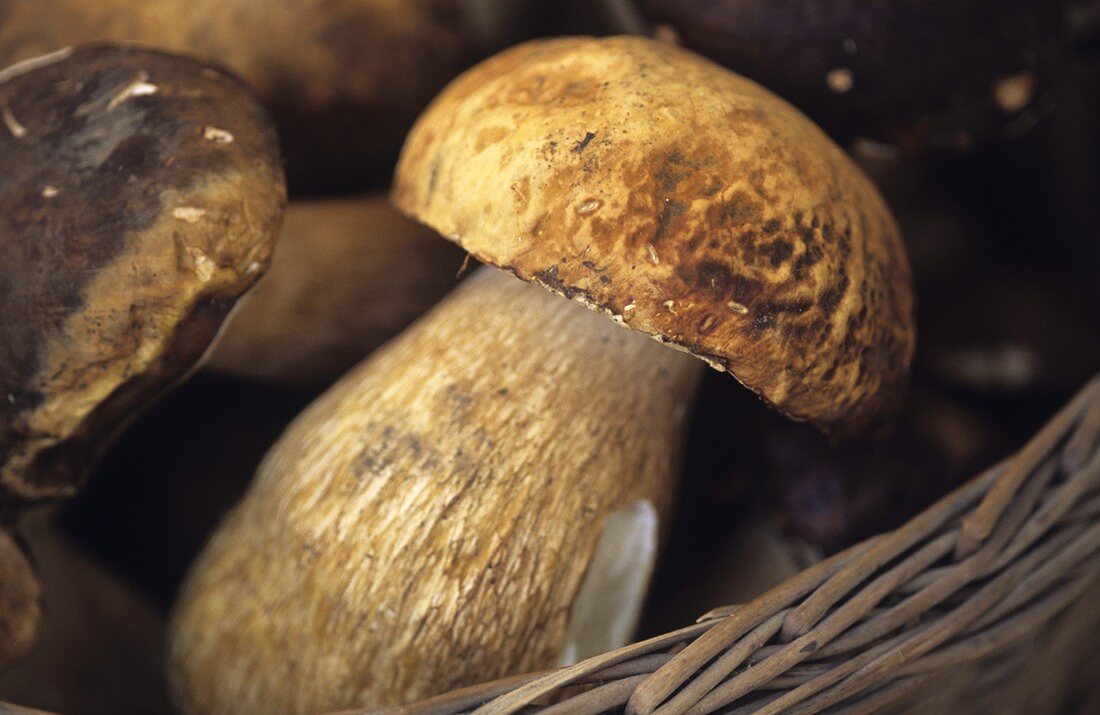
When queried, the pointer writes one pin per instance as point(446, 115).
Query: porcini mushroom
point(447, 512)
point(347, 275)
point(20, 600)
point(344, 80)
point(911, 73)
point(128, 228)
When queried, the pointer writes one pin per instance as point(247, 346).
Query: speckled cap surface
point(691, 204)
point(140, 196)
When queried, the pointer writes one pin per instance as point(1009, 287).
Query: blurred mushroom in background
point(744, 558)
point(20, 599)
point(101, 645)
point(914, 74)
point(834, 495)
point(1018, 332)
point(344, 80)
point(347, 275)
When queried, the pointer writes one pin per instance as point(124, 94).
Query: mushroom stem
point(429, 521)
point(20, 601)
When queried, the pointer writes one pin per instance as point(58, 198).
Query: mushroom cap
point(917, 74)
point(343, 79)
point(140, 197)
point(683, 200)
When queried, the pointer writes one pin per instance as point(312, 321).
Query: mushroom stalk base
point(20, 601)
point(429, 521)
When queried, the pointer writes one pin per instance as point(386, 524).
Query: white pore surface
point(610, 599)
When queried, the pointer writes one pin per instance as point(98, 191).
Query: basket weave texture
point(988, 601)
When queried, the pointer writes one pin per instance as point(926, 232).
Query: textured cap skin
point(140, 196)
point(689, 203)
point(918, 74)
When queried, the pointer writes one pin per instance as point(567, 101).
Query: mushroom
point(102, 642)
point(1023, 331)
point(348, 274)
point(344, 80)
point(911, 73)
point(127, 232)
point(485, 493)
point(20, 600)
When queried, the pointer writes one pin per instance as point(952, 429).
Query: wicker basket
point(986, 602)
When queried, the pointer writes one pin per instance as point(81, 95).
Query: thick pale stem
point(429, 521)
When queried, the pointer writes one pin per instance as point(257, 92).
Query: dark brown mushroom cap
point(916, 73)
point(689, 203)
point(140, 196)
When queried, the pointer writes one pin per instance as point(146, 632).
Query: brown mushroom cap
point(140, 197)
point(920, 75)
point(689, 203)
point(344, 80)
